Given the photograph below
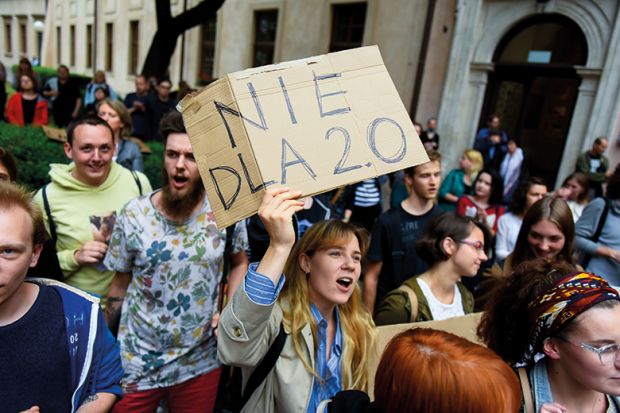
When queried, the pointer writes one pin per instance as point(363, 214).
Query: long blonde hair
point(356, 323)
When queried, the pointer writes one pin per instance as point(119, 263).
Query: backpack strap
point(528, 401)
point(599, 229)
point(264, 367)
point(48, 212)
point(137, 179)
point(467, 298)
point(601, 221)
point(226, 267)
point(413, 301)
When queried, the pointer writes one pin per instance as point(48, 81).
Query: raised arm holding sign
point(316, 300)
point(313, 124)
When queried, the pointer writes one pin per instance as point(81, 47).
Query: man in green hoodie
point(84, 198)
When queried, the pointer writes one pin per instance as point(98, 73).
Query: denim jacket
point(541, 388)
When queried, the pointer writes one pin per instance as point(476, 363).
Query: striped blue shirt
point(262, 291)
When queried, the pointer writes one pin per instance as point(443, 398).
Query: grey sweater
point(610, 237)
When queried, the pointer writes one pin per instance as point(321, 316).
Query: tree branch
point(197, 14)
point(164, 15)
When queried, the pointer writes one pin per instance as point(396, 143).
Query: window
point(23, 37)
point(8, 38)
point(89, 46)
point(134, 46)
point(208, 50)
point(72, 45)
point(109, 43)
point(39, 43)
point(265, 24)
point(347, 26)
point(58, 44)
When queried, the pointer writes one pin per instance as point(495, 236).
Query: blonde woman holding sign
point(305, 298)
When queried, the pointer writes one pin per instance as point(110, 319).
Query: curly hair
point(505, 325)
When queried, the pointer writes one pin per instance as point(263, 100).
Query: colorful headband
point(570, 296)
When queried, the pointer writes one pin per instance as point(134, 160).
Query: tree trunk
point(169, 29)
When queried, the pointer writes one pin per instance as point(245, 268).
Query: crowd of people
point(60, 100)
point(134, 299)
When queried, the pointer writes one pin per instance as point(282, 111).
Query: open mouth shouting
point(345, 283)
point(179, 181)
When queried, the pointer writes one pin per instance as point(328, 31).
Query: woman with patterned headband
point(564, 327)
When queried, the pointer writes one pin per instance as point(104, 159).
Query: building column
point(579, 137)
point(453, 125)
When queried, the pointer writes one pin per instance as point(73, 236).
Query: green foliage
point(34, 153)
point(153, 163)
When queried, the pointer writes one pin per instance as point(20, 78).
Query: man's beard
point(178, 205)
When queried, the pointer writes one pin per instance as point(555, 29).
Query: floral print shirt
point(165, 329)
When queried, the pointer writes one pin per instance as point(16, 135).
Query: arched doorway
point(534, 86)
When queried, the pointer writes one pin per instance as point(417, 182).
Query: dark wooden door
point(535, 104)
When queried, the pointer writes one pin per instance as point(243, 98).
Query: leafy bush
point(34, 152)
point(153, 164)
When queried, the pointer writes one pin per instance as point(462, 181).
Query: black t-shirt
point(156, 109)
point(258, 238)
point(28, 107)
point(139, 121)
point(393, 242)
point(64, 104)
point(34, 358)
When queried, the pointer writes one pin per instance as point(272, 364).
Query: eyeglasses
point(477, 245)
point(607, 354)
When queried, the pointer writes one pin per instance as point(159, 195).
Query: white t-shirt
point(439, 310)
point(576, 208)
point(508, 228)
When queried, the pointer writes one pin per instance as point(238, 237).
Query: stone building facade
point(459, 60)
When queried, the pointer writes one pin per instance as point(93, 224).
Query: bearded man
point(169, 257)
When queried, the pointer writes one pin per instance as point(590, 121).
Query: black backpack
point(230, 397)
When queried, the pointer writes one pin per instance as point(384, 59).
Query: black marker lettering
point(319, 96)
point(339, 169)
point(291, 113)
point(253, 189)
point(259, 109)
point(222, 109)
point(298, 160)
point(226, 203)
point(372, 141)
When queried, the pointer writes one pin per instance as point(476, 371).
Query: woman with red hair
point(426, 370)
point(563, 325)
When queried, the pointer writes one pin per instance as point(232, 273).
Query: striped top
point(367, 193)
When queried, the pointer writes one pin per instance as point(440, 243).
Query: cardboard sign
point(312, 125)
point(464, 326)
point(55, 134)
